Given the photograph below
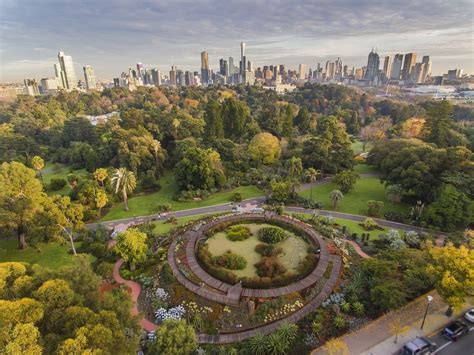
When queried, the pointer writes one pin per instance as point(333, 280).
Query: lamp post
point(430, 298)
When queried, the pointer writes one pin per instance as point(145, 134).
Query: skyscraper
point(408, 64)
point(68, 75)
point(89, 77)
point(396, 67)
point(301, 71)
point(205, 68)
point(242, 50)
point(387, 66)
point(156, 77)
point(223, 67)
point(173, 76)
point(373, 64)
point(426, 69)
point(243, 59)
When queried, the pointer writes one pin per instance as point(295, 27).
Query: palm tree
point(336, 197)
point(312, 175)
point(124, 181)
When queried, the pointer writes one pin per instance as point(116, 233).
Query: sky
point(113, 35)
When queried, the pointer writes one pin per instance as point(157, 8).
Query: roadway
point(463, 346)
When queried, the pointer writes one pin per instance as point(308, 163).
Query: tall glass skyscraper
point(67, 74)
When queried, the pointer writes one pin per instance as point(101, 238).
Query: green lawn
point(62, 173)
point(357, 147)
point(354, 227)
point(162, 227)
point(144, 205)
point(50, 255)
point(365, 169)
point(355, 201)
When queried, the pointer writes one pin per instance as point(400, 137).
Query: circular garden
point(257, 253)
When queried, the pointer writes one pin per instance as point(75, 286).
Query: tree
point(337, 347)
point(101, 175)
point(21, 198)
point(174, 337)
point(451, 208)
point(101, 200)
point(23, 339)
point(38, 164)
point(375, 131)
point(394, 193)
point(336, 197)
point(124, 181)
point(132, 247)
point(345, 180)
point(453, 268)
point(374, 207)
point(397, 328)
point(438, 123)
point(281, 190)
point(412, 127)
point(214, 123)
point(264, 148)
point(303, 120)
point(55, 294)
point(311, 176)
point(200, 169)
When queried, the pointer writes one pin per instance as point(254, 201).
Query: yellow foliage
point(337, 347)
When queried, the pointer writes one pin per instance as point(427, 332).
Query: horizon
point(275, 32)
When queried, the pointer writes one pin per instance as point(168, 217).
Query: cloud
point(114, 34)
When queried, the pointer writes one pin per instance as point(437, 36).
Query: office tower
point(301, 71)
point(345, 71)
point(156, 77)
point(359, 74)
point(249, 65)
point(243, 59)
point(396, 67)
point(231, 66)
point(205, 73)
point(67, 74)
point(408, 64)
point(116, 82)
point(330, 70)
point(57, 75)
point(338, 68)
point(49, 86)
point(373, 64)
point(416, 73)
point(140, 71)
point(31, 87)
point(454, 74)
point(387, 66)
point(173, 76)
point(89, 77)
point(427, 68)
point(223, 67)
point(242, 50)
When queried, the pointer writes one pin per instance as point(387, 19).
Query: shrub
point(374, 207)
point(412, 239)
point(238, 233)
point(271, 235)
point(57, 184)
point(339, 321)
point(369, 225)
point(230, 261)
point(236, 197)
point(358, 308)
point(267, 250)
point(269, 267)
point(395, 216)
point(105, 269)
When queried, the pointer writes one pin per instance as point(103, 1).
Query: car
point(469, 315)
point(257, 210)
point(418, 346)
point(455, 330)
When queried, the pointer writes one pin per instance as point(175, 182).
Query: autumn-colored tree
point(38, 164)
point(101, 199)
point(124, 182)
point(412, 127)
point(131, 246)
point(174, 337)
point(375, 132)
point(101, 174)
point(453, 268)
point(265, 148)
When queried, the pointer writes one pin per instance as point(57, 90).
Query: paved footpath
point(376, 338)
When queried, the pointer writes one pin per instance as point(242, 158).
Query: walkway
point(135, 292)
point(358, 249)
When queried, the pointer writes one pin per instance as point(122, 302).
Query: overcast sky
point(112, 35)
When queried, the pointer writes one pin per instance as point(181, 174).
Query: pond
point(294, 248)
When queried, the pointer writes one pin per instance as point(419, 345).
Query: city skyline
point(275, 33)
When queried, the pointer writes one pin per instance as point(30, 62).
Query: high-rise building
point(156, 77)
point(140, 71)
point(416, 73)
point(243, 59)
point(426, 69)
point(89, 77)
point(49, 86)
point(387, 66)
point(408, 64)
point(396, 67)
point(223, 67)
point(31, 87)
point(232, 67)
point(67, 74)
point(173, 76)
point(242, 50)
point(57, 75)
point(373, 65)
point(205, 77)
point(301, 71)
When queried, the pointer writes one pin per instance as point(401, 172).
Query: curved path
point(135, 292)
point(358, 249)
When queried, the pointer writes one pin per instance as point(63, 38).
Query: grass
point(357, 147)
point(354, 227)
point(355, 201)
point(61, 173)
point(144, 205)
point(163, 228)
point(48, 255)
point(365, 169)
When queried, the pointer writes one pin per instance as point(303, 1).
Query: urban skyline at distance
point(152, 32)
